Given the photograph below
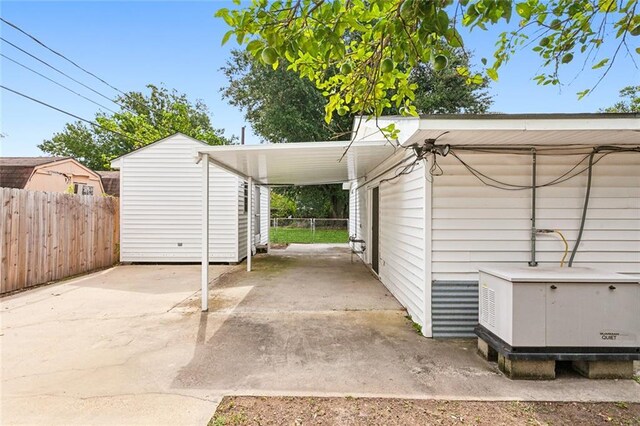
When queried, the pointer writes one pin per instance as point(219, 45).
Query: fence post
point(313, 229)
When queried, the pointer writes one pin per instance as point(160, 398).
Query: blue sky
point(131, 44)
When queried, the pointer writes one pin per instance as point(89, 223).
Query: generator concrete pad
point(604, 369)
point(130, 346)
point(486, 351)
point(525, 369)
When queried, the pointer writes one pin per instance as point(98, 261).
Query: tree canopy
point(282, 107)
point(376, 44)
point(629, 102)
point(141, 120)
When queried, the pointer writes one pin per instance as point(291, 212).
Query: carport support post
point(205, 232)
point(249, 221)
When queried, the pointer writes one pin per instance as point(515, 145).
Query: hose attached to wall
point(566, 247)
point(584, 208)
point(564, 240)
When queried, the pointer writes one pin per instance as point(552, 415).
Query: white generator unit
point(572, 313)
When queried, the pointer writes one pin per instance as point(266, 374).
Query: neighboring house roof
point(16, 171)
point(110, 182)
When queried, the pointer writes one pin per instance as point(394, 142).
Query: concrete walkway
point(129, 345)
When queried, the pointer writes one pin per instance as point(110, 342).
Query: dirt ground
point(243, 410)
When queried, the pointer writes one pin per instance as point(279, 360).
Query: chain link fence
point(308, 230)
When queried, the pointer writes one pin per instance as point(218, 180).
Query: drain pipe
point(533, 261)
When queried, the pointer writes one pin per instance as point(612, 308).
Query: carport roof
point(312, 163)
point(303, 163)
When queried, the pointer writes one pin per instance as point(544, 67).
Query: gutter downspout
point(533, 261)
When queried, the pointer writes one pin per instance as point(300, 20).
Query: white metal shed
point(428, 226)
point(161, 206)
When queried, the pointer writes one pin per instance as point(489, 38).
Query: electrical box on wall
point(560, 309)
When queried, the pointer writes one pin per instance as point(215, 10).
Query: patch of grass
point(637, 379)
point(417, 327)
point(283, 235)
point(233, 419)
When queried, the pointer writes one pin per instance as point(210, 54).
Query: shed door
point(375, 228)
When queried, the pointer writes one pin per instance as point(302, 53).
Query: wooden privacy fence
point(46, 236)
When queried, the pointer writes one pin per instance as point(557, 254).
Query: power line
point(93, 123)
point(55, 82)
point(59, 71)
point(59, 54)
point(126, 95)
point(164, 130)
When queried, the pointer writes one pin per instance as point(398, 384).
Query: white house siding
point(261, 203)
point(402, 244)
point(265, 205)
point(160, 202)
point(402, 236)
point(354, 212)
point(241, 216)
point(474, 225)
point(477, 225)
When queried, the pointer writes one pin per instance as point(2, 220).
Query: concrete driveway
point(129, 345)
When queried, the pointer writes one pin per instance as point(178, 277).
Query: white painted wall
point(261, 216)
point(465, 225)
point(402, 267)
point(160, 204)
point(476, 225)
point(241, 218)
point(402, 255)
point(265, 214)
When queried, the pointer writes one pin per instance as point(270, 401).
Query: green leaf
point(600, 64)
point(506, 12)
point(442, 22)
point(583, 93)
point(226, 36)
point(463, 71)
point(492, 73)
point(607, 6)
point(477, 79)
point(524, 10)
point(254, 45)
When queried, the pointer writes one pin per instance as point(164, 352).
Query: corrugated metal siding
point(475, 225)
point(454, 308)
point(161, 206)
point(402, 261)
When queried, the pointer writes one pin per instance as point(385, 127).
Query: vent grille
point(488, 306)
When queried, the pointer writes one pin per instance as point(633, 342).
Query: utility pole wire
point(93, 123)
point(58, 71)
point(57, 83)
point(171, 130)
point(59, 54)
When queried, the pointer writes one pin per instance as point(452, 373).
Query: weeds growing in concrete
point(417, 327)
